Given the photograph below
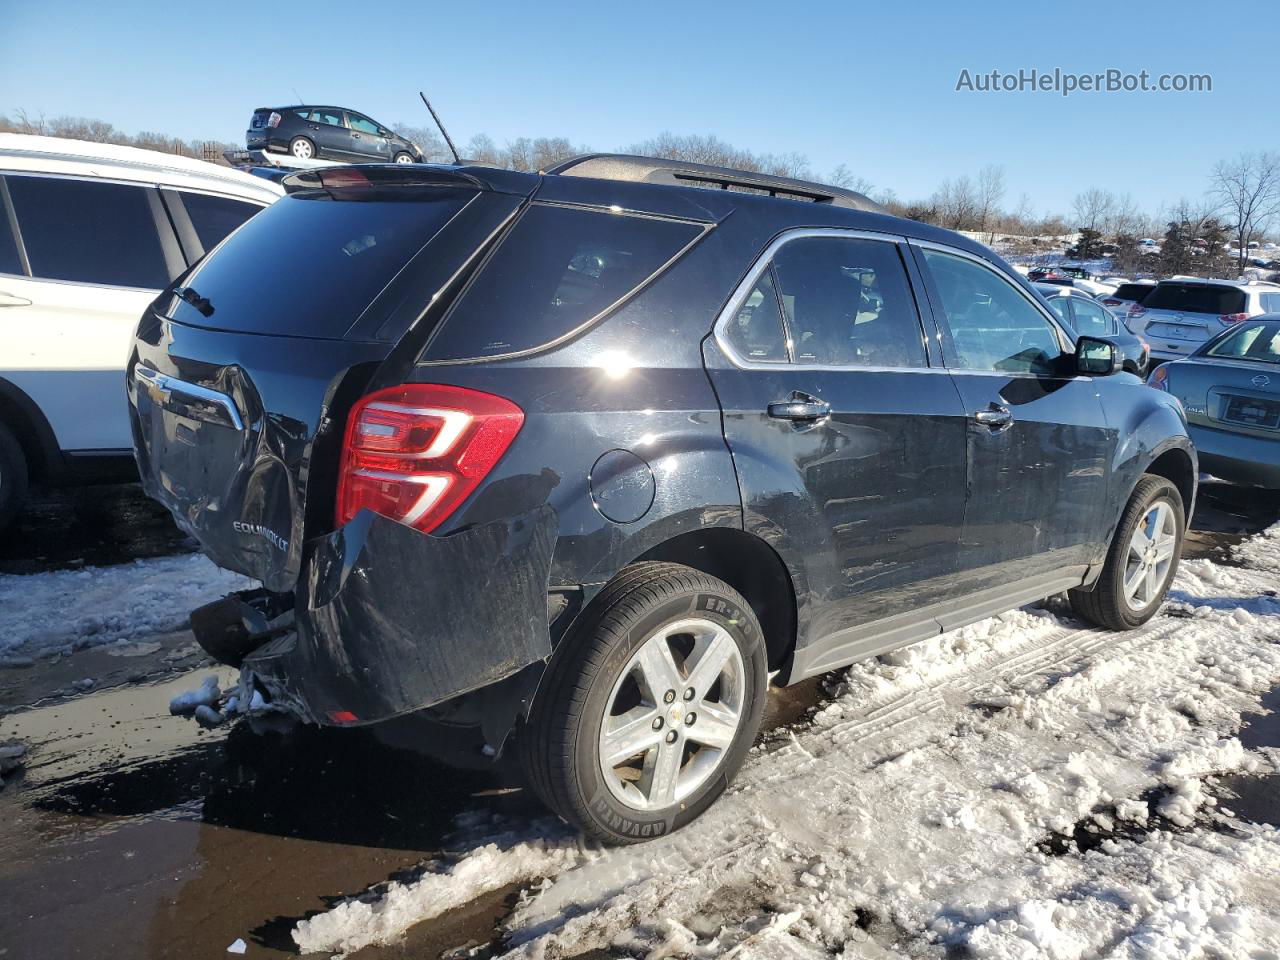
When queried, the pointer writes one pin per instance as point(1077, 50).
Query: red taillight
point(1111, 301)
point(273, 121)
point(1233, 317)
point(1137, 310)
point(1159, 378)
point(414, 452)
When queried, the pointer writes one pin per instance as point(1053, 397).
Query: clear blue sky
point(871, 85)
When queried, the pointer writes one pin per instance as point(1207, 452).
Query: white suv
point(89, 233)
point(1181, 313)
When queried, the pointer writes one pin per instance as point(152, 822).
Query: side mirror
point(1096, 357)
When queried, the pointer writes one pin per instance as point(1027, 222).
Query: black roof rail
point(621, 166)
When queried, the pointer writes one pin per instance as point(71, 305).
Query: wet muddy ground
point(131, 833)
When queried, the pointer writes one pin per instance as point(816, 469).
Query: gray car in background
point(1230, 389)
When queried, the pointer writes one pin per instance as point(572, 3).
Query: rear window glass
point(1196, 298)
point(308, 265)
point(1133, 291)
point(215, 217)
point(558, 270)
point(89, 232)
point(1259, 341)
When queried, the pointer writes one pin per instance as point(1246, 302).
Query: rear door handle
point(996, 417)
point(9, 300)
point(801, 407)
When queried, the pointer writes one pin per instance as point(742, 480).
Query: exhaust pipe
point(232, 628)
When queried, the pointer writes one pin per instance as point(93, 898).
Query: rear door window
point(1196, 298)
point(847, 303)
point(756, 332)
point(559, 270)
point(215, 217)
point(89, 232)
point(309, 264)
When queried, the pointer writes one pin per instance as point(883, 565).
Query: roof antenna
point(297, 94)
point(452, 149)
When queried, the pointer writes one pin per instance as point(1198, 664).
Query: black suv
point(582, 460)
point(327, 133)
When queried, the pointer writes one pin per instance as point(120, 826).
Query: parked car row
point(89, 234)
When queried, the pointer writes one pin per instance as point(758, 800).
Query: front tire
point(403, 157)
point(13, 477)
point(649, 706)
point(1141, 562)
point(302, 148)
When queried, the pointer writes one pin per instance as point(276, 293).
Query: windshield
point(1196, 298)
point(1254, 341)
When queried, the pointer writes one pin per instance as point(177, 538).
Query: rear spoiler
point(365, 176)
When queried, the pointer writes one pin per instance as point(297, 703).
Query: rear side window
point(1196, 298)
point(89, 232)
point(10, 262)
point(756, 332)
point(1271, 302)
point(309, 265)
point(1133, 291)
point(560, 269)
point(215, 217)
point(847, 303)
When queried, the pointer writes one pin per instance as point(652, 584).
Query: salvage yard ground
point(1024, 787)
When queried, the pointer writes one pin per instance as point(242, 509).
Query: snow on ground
point(933, 804)
point(129, 601)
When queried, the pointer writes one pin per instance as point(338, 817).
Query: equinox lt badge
point(266, 533)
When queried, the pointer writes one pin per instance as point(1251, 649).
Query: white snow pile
point(913, 815)
point(128, 601)
point(537, 850)
point(210, 706)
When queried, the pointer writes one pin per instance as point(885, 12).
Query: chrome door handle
point(995, 417)
point(9, 300)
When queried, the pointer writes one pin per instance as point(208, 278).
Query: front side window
point(215, 217)
point(1091, 319)
point(89, 232)
point(756, 332)
point(992, 325)
point(560, 268)
point(362, 124)
point(847, 303)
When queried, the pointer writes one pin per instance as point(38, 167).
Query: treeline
point(1241, 202)
point(100, 131)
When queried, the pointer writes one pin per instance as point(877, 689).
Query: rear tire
point(662, 649)
point(13, 477)
point(1139, 568)
point(302, 148)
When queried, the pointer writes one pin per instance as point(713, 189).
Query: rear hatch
point(243, 372)
point(259, 125)
point(1178, 317)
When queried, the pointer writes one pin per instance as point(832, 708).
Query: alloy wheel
point(1151, 551)
point(672, 714)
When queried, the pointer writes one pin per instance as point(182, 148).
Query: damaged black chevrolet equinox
point(581, 461)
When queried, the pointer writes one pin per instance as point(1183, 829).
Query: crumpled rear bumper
point(390, 620)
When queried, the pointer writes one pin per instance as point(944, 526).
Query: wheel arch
point(31, 429)
point(1177, 466)
point(749, 565)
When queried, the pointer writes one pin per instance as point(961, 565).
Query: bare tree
point(1092, 209)
point(1248, 191)
point(845, 178)
point(990, 192)
point(956, 203)
point(1124, 218)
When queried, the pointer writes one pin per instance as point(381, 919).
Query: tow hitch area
point(364, 649)
point(231, 628)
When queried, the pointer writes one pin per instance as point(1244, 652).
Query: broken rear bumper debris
point(388, 620)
